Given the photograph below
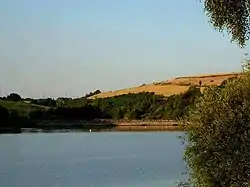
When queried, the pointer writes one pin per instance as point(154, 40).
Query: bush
point(14, 97)
point(217, 136)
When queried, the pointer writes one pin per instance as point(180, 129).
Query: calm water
point(152, 159)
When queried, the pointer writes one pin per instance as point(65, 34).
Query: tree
point(97, 92)
point(14, 97)
point(232, 16)
point(92, 93)
point(117, 114)
point(4, 117)
point(133, 114)
point(217, 136)
point(46, 102)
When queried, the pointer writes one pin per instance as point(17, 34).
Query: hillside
point(174, 86)
point(20, 106)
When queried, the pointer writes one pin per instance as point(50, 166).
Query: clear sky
point(56, 47)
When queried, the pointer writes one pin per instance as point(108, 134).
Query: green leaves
point(232, 16)
point(217, 134)
point(148, 105)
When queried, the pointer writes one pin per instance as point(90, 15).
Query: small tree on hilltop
point(14, 97)
point(217, 136)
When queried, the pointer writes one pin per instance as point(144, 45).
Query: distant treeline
point(16, 112)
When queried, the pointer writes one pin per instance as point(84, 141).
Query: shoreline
point(98, 125)
point(147, 125)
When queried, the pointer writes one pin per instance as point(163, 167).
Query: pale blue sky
point(54, 47)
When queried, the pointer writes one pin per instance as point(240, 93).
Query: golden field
point(174, 86)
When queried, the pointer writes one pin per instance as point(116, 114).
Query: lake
point(105, 159)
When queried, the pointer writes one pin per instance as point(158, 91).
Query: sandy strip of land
point(146, 128)
point(144, 125)
point(108, 125)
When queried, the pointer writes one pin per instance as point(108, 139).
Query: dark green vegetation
point(217, 136)
point(217, 133)
point(232, 16)
point(27, 113)
point(147, 105)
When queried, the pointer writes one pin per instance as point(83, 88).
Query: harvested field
point(174, 86)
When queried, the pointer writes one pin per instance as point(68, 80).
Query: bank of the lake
point(98, 125)
point(147, 125)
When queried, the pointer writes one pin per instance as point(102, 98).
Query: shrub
point(217, 136)
point(14, 97)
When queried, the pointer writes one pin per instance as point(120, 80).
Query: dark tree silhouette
point(14, 97)
point(4, 117)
